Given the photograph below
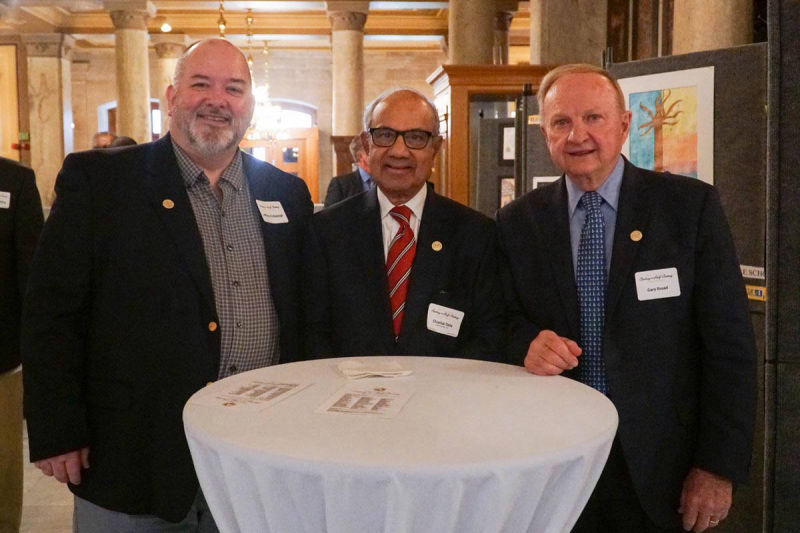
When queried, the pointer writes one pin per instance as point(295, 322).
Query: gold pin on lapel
point(636, 235)
point(437, 246)
point(168, 204)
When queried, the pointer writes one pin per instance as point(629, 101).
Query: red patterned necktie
point(398, 264)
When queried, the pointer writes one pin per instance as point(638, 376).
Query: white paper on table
point(252, 395)
point(375, 369)
point(365, 398)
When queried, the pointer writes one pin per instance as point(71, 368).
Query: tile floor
point(46, 503)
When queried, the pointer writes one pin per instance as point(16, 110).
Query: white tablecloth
point(479, 447)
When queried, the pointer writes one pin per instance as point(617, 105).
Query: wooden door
point(296, 151)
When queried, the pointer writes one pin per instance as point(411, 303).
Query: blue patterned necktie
point(591, 280)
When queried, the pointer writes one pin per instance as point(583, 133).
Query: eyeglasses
point(414, 139)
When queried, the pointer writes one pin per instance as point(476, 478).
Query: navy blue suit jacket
point(681, 370)
point(116, 334)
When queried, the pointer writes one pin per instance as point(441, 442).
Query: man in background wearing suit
point(162, 267)
point(400, 269)
point(355, 182)
point(20, 224)
point(628, 281)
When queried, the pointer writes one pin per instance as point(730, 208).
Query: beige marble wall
point(731, 20)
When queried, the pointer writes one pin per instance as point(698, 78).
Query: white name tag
point(5, 200)
point(272, 212)
point(654, 284)
point(444, 320)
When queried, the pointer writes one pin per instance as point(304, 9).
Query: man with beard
point(162, 267)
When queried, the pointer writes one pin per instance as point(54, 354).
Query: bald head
point(214, 47)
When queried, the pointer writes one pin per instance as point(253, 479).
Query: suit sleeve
point(728, 359)
point(316, 338)
point(28, 222)
point(487, 339)
point(335, 193)
point(520, 331)
point(55, 335)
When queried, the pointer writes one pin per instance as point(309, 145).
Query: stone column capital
point(502, 20)
point(48, 44)
point(347, 20)
point(129, 14)
point(169, 50)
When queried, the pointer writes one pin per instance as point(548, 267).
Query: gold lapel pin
point(636, 235)
point(437, 246)
point(168, 204)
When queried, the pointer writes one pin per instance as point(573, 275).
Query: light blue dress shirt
point(366, 179)
point(609, 192)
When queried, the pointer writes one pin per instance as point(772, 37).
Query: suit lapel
point(427, 262)
point(368, 244)
point(633, 214)
point(553, 223)
point(167, 192)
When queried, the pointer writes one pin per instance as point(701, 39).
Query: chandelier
point(266, 124)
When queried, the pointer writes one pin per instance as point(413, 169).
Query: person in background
point(356, 182)
point(102, 139)
point(20, 224)
point(627, 280)
point(162, 267)
point(122, 141)
point(400, 269)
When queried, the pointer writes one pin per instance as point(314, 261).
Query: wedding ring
point(712, 522)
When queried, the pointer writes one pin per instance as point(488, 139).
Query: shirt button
point(229, 247)
point(212, 326)
point(233, 368)
point(235, 283)
point(238, 323)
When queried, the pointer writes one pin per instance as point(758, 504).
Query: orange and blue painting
point(663, 133)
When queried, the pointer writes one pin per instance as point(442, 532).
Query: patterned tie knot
point(591, 201)
point(402, 214)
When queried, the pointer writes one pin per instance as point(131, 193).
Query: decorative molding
point(502, 20)
point(129, 19)
point(169, 50)
point(48, 45)
point(347, 20)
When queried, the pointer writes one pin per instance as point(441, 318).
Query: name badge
point(444, 320)
point(655, 284)
point(5, 200)
point(272, 212)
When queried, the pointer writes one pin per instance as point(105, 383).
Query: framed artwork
point(506, 190)
point(508, 151)
point(672, 122)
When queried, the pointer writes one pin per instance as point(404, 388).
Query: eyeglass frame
point(399, 133)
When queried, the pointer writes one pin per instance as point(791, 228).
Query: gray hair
point(577, 68)
point(370, 110)
point(180, 66)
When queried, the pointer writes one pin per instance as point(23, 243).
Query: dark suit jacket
point(20, 225)
point(347, 299)
point(343, 187)
point(681, 370)
point(116, 335)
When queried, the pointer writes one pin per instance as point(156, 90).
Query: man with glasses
point(400, 269)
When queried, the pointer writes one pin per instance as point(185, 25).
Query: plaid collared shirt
point(234, 249)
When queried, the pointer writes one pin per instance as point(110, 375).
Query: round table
point(478, 447)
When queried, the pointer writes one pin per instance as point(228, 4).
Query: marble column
point(471, 32)
point(502, 22)
point(567, 32)
point(169, 48)
point(50, 106)
point(347, 51)
point(133, 71)
point(711, 24)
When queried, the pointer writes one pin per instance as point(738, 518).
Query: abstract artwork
point(672, 122)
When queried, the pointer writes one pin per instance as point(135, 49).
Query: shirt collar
point(416, 203)
point(608, 191)
point(191, 171)
point(365, 177)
